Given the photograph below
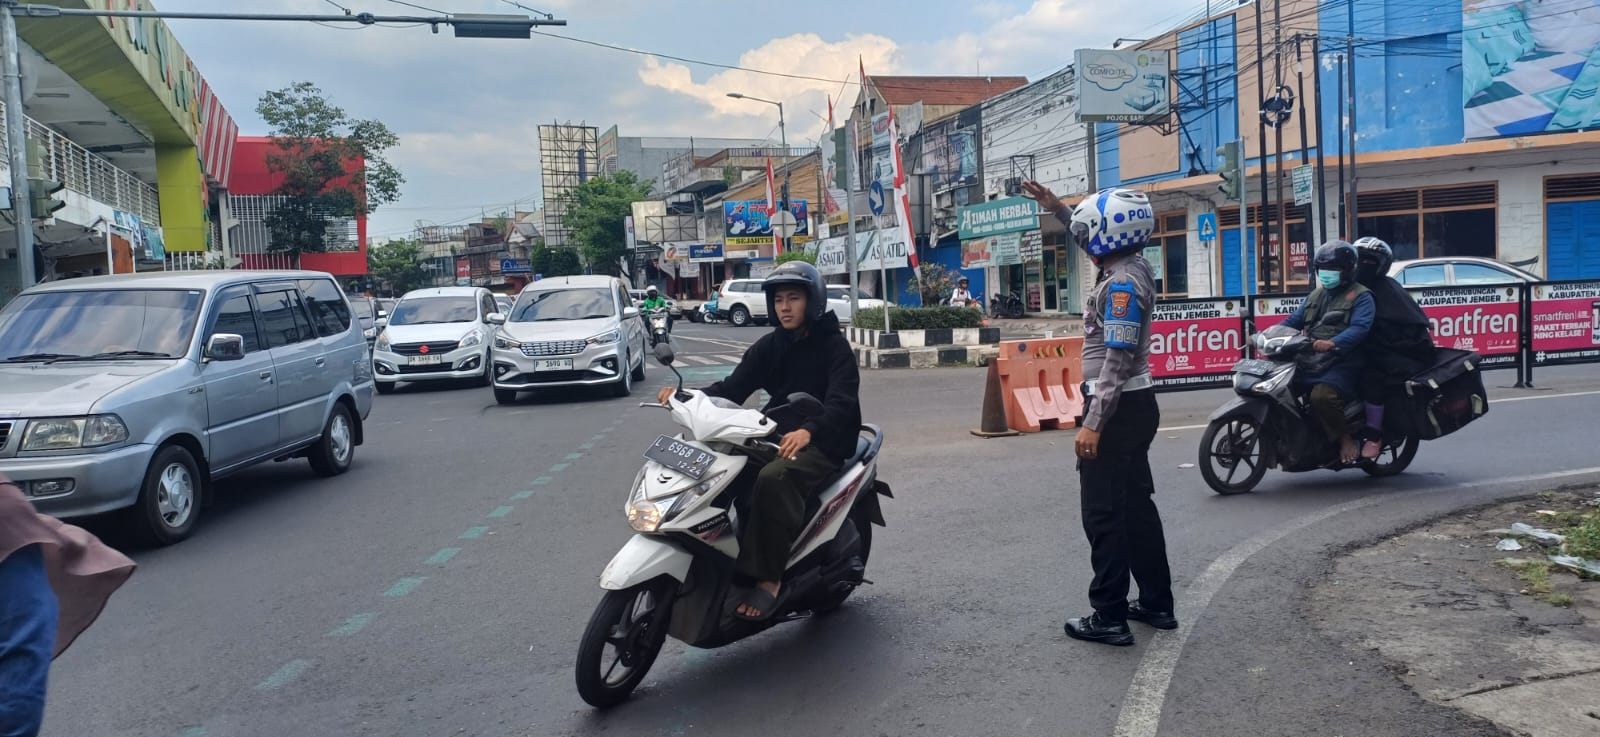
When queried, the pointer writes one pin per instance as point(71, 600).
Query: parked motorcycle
point(675, 577)
point(659, 326)
point(1005, 305)
point(1270, 423)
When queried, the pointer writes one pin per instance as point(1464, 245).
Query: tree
point(595, 212)
point(556, 262)
point(938, 283)
point(398, 264)
point(333, 166)
point(809, 257)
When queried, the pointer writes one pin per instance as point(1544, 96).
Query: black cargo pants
point(773, 515)
point(1119, 512)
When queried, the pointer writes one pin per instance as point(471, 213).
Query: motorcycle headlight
point(66, 433)
point(473, 338)
point(383, 341)
point(504, 343)
point(644, 515)
point(1271, 383)
point(606, 338)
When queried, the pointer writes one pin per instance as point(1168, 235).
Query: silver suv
point(570, 331)
point(140, 391)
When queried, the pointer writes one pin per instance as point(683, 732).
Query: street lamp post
point(783, 138)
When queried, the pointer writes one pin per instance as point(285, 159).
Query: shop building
point(252, 195)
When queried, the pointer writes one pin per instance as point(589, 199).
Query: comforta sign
point(1566, 323)
point(1480, 319)
point(1195, 342)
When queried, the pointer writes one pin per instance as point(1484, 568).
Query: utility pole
point(1277, 73)
point(1322, 142)
point(1350, 91)
point(1344, 208)
point(1263, 248)
point(17, 145)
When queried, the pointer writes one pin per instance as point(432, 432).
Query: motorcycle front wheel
point(1228, 447)
point(623, 638)
point(1395, 457)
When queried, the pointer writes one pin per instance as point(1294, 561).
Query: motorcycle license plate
point(1254, 367)
point(680, 456)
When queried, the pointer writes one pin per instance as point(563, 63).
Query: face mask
point(1328, 279)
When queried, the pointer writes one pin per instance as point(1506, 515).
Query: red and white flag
point(902, 197)
point(772, 210)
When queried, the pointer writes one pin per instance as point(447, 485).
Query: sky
point(466, 110)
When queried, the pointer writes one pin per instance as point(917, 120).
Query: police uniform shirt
point(1116, 330)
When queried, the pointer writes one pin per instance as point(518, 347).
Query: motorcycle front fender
point(644, 559)
point(1255, 408)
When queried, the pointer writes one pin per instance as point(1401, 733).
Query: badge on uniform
point(1123, 320)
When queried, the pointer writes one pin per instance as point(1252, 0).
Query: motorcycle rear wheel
point(1221, 457)
point(1399, 454)
point(623, 638)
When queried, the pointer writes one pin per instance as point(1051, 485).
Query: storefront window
point(1168, 255)
point(1459, 233)
point(1399, 231)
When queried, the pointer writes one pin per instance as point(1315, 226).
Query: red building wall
point(250, 176)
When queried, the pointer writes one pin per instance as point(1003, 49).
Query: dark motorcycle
point(660, 326)
point(1005, 305)
point(1270, 423)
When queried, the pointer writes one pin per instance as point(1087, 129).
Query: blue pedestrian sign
point(875, 198)
point(1208, 227)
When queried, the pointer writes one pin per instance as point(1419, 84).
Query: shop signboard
point(1123, 85)
point(745, 222)
point(1030, 247)
point(1008, 215)
point(977, 253)
point(831, 255)
point(1483, 319)
point(1270, 311)
point(1566, 323)
point(1195, 342)
point(516, 266)
point(705, 253)
point(882, 249)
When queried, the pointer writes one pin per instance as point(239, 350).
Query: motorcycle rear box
point(1447, 395)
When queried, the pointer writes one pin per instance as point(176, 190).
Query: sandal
point(758, 599)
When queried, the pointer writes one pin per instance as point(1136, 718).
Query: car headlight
point(473, 338)
point(504, 343)
point(1271, 383)
point(65, 433)
point(606, 338)
point(644, 515)
point(383, 341)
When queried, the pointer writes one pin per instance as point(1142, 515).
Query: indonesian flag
point(772, 210)
point(902, 197)
point(830, 200)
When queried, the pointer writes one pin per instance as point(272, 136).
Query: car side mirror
point(630, 312)
point(225, 347)
point(382, 314)
point(664, 354)
point(381, 321)
point(805, 404)
point(496, 318)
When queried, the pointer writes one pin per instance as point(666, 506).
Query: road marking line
point(573, 457)
point(522, 495)
point(700, 360)
point(354, 624)
point(282, 676)
point(443, 556)
point(474, 533)
point(559, 467)
point(500, 511)
point(542, 480)
point(194, 732)
point(729, 359)
point(1181, 427)
point(598, 438)
point(403, 586)
point(586, 446)
point(1527, 398)
point(1147, 694)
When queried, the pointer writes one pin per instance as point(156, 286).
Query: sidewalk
point(1036, 326)
point(1500, 633)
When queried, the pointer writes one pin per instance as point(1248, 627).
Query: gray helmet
point(798, 274)
point(1374, 257)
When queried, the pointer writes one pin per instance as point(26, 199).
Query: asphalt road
point(440, 587)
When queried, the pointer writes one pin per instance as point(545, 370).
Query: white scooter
point(675, 576)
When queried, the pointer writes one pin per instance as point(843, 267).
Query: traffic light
point(41, 193)
point(1231, 170)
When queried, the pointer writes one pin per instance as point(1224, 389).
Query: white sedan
point(839, 301)
point(1450, 271)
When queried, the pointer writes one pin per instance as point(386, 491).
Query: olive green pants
point(774, 514)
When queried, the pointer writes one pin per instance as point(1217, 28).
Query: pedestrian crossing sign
point(1208, 227)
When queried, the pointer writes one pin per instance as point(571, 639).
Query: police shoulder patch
point(1123, 318)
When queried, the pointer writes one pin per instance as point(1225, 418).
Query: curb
point(925, 357)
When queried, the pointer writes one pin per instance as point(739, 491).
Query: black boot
point(1094, 628)
point(1158, 620)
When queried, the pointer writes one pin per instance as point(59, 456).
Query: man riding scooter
point(1338, 316)
point(806, 353)
point(1400, 343)
point(654, 301)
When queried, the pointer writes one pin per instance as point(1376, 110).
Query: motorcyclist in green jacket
point(654, 301)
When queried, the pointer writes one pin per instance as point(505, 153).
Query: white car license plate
point(553, 364)
point(426, 360)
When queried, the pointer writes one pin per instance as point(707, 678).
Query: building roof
point(943, 90)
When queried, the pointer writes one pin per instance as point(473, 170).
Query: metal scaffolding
point(568, 156)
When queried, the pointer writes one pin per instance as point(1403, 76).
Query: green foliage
point(809, 257)
point(333, 166)
point(921, 318)
point(556, 262)
point(938, 283)
point(595, 212)
point(1583, 540)
point(399, 265)
point(730, 174)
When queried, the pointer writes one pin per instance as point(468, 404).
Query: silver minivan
point(569, 331)
point(140, 391)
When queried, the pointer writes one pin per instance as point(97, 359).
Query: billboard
point(705, 253)
point(1566, 322)
point(745, 222)
point(1529, 66)
point(1007, 215)
point(1483, 319)
point(1117, 86)
point(1196, 342)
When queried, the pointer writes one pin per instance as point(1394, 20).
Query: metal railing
point(87, 173)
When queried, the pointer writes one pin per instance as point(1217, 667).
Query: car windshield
point(564, 304)
point(101, 325)
point(434, 310)
point(366, 312)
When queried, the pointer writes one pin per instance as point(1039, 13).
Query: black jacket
point(1400, 325)
point(820, 364)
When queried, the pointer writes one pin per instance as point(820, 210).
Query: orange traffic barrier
point(1040, 382)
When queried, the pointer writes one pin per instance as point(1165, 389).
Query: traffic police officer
point(1120, 417)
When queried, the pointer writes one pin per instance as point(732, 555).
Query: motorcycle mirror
point(805, 404)
point(664, 354)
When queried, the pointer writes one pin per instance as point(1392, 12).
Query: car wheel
point(169, 500)
point(486, 379)
point(385, 387)
point(505, 396)
point(739, 316)
point(336, 449)
point(624, 385)
point(644, 352)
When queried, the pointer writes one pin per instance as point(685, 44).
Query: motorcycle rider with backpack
point(1338, 315)
point(1400, 343)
